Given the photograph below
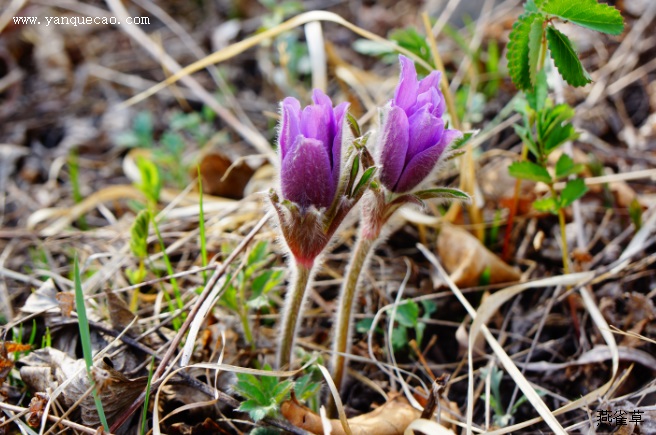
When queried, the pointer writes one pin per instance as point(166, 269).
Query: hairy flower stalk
point(318, 156)
point(412, 141)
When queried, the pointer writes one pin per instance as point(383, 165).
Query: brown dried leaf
point(392, 418)
point(66, 302)
point(465, 258)
point(49, 368)
point(120, 315)
point(213, 169)
point(35, 411)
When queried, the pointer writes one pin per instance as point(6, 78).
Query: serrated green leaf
point(535, 47)
point(587, 13)
point(518, 50)
point(529, 171)
point(251, 388)
point(574, 189)
point(545, 204)
point(566, 167)
point(566, 59)
point(442, 192)
point(254, 410)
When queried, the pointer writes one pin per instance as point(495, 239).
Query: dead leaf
point(35, 411)
point(392, 418)
point(465, 258)
point(66, 302)
point(48, 368)
point(221, 178)
point(120, 315)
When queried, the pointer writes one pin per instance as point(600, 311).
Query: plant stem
point(343, 326)
point(565, 254)
point(292, 312)
point(243, 315)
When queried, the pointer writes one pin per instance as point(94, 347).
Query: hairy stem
point(343, 320)
point(293, 304)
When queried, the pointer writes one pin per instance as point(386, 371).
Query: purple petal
point(290, 109)
point(418, 168)
point(406, 91)
point(425, 131)
point(305, 175)
point(392, 144)
point(340, 113)
point(431, 81)
point(315, 124)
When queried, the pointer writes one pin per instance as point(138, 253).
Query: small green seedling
point(501, 417)
point(250, 289)
point(552, 129)
point(534, 34)
point(264, 394)
point(407, 318)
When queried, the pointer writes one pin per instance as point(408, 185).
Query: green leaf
point(533, 5)
point(587, 13)
point(635, 213)
point(535, 47)
point(537, 97)
point(411, 40)
point(139, 234)
point(256, 411)
point(558, 136)
point(526, 136)
point(407, 314)
point(574, 189)
point(461, 141)
point(364, 181)
point(529, 171)
point(546, 205)
point(399, 338)
point(552, 117)
point(305, 387)
point(518, 50)
point(565, 58)
point(566, 167)
point(353, 123)
point(442, 192)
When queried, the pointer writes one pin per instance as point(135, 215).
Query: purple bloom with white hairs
point(412, 137)
point(310, 146)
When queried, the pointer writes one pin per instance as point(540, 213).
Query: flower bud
point(412, 137)
point(310, 147)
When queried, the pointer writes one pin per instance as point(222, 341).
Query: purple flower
point(413, 136)
point(310, 146)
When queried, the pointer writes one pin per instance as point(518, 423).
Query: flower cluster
point(319, 165)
